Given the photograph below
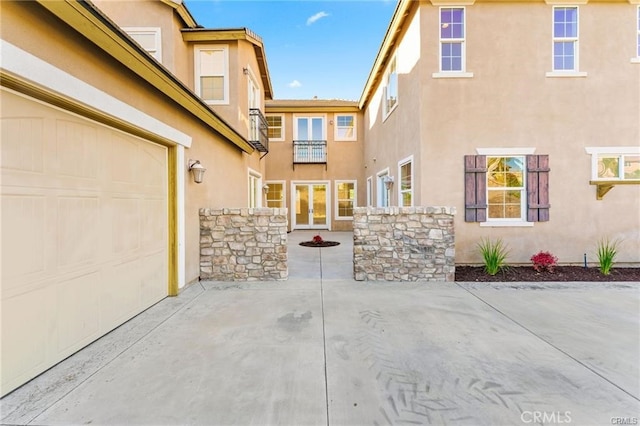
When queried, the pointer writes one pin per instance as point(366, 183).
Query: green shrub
point(494, 254)
point(607, 251)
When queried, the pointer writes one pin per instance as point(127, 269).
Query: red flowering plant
point(544, 261)
point(317, 239)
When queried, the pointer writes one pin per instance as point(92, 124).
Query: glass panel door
point(302, 205)
point(319, 211)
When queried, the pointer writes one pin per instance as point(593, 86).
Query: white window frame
point(508, 152)
point(219, 47)
point(636, 59)
point(254, 193)
point(284, 191)
point(575, 72)
point(282, 128)
point(155, 31)
point(401, 192)
point(310, 118)
point(462, 41)
point(354, 200)
point(337, 127)
point(370, 191)
point(612, 151)
point(391, 80)
point(382, 193)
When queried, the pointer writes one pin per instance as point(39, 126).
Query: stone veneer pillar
point(243, 244)
point(403, 244)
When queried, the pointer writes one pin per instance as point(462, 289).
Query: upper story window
point(345, 127)
point(637, 58)
point(565, 43)
point(310, 129)
point(390, 87)
point(212, 69)
point(452, 39)
point(276, 127)
point(149, 38)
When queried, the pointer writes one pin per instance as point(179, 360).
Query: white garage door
point(84, 233)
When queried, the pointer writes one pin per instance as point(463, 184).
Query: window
point(149, 39)
point(346, 199)
point(310, 144)
point(369, 191)
point(211, 74)
point(509, 189)
point(255, 189)
point(405, 171)
point(345, 127)
point(276, 127)
point(383, 192)
point(615, 163)
point(452, 39)
point(275, 194)
point(390, 87)
point(565, 38)
point(637, 58)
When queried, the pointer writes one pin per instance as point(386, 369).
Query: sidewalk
point(323, 349)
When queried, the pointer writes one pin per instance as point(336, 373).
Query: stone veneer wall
point(243, 244)
point(403, 244)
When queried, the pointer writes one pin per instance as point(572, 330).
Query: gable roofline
point(233, 34)
point(182, 11)
point(389, 42)
point(87, 19)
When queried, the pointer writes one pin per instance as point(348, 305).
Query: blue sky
point(314, 48)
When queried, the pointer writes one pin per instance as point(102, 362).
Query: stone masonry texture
point(243, 244)
point(403, 244)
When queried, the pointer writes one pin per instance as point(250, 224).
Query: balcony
point(309, 152)
point(258, 131)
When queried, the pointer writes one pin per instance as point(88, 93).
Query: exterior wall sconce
point(245, 71)
point(196, 170)
point(265, 189)
point(388, 182)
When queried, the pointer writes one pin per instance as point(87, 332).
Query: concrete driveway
point(323, 349)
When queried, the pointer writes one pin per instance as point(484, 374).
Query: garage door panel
point(23, 331)
point(77, 231)
point(77, 149)
point(84, 233)
point(125, 225)
point(77, 300)
point(23, 225)
point(25, 153)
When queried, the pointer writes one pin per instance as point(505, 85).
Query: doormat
point(319, 243)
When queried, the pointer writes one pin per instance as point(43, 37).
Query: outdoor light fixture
point(245, 71)
point(196, 170)
point(265, 189)
point(388, 182)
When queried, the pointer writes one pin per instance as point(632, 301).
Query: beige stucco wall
point(344, 160)
point(225, 182)
point(510, 103)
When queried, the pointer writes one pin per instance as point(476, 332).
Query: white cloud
point(317, 16)
point(294, 83)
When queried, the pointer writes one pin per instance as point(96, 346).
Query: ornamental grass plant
point(494, 254)
point(607, 251)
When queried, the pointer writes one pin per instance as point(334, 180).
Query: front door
point(310, 201)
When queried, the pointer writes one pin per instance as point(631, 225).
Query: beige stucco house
point(525, 116)
point(314, 167)
point(104, 108)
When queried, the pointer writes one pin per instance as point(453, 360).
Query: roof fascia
point(217, 35)
point(318, 108)
point(182, 11)
point(92, 24)
point(388, 43)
